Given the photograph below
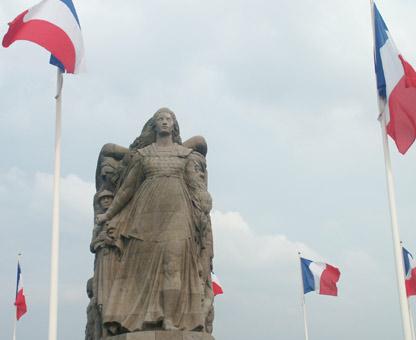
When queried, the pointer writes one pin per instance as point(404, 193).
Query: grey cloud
point(284, 93)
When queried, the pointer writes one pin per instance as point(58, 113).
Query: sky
point(284, 93)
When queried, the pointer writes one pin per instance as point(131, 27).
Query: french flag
point(396, 85)
point(216, 285)
point(20, 301)
point(410, 272)
point(319, 277)
point(54, 25)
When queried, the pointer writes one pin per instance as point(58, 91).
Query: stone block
point(163, 335)
point(169, 335)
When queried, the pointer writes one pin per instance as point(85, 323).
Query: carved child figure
point(92, 313)
point(101, 245)
point(99, 235)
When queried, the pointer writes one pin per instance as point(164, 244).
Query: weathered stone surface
point(163, 335)
point(152, 238)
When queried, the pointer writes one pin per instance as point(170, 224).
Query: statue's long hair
point(148, 135)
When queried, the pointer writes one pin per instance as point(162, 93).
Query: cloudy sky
point(283, 91)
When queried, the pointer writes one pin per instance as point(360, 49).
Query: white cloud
point(76, 194)
point(239, 245)
point(253, 269)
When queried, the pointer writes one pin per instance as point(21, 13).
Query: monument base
point(163, 335)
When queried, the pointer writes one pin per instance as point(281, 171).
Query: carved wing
point(109, 166)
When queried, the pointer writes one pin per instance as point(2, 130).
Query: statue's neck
point(164, 140)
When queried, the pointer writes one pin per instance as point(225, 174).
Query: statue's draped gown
point(159, 273)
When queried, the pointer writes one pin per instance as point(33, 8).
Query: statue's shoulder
point(146, 151)
point(182, 151)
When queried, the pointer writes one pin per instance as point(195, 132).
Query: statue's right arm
point(126, 191)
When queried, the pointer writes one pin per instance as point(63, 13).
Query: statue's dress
point(159, 273)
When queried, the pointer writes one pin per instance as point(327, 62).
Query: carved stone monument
point(152, 239)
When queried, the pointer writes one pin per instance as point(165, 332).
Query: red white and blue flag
point(396, 85)
point(319, 277)
point(54, 25)
point(410, 272)
point(216, 285)
point(20, 301)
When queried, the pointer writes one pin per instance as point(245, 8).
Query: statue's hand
point(101, 218)
point(101, 237)
point(111, 233)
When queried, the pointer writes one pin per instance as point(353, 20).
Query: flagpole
point(53, 298)
point(15, 319)
point(411, 319)
point(14, 328)
point(408, 302)
point(397, 248)
point(398, 255)
point(305, 324)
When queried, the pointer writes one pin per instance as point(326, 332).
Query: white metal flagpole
point(14, 328)
point(305, 324)
point(15, 319)
point(411, 320)
point(397, 248)
point(53, 298)
point(398, 255)
point(15, 316)
point(408, 304)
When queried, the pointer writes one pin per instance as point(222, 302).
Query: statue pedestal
point(163, 335)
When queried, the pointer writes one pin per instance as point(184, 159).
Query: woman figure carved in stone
point(160, 213)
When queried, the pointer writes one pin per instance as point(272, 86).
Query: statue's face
point(164, 123)
point(106, 201)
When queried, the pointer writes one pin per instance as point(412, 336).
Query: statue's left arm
point(126, 191)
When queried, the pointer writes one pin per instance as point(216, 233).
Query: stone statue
point(152, 238)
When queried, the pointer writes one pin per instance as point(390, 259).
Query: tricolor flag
point(20, 301)
point(410, 272)
point(396, 85)
point(54, 25)
point(216, 285)
point(319, 277)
